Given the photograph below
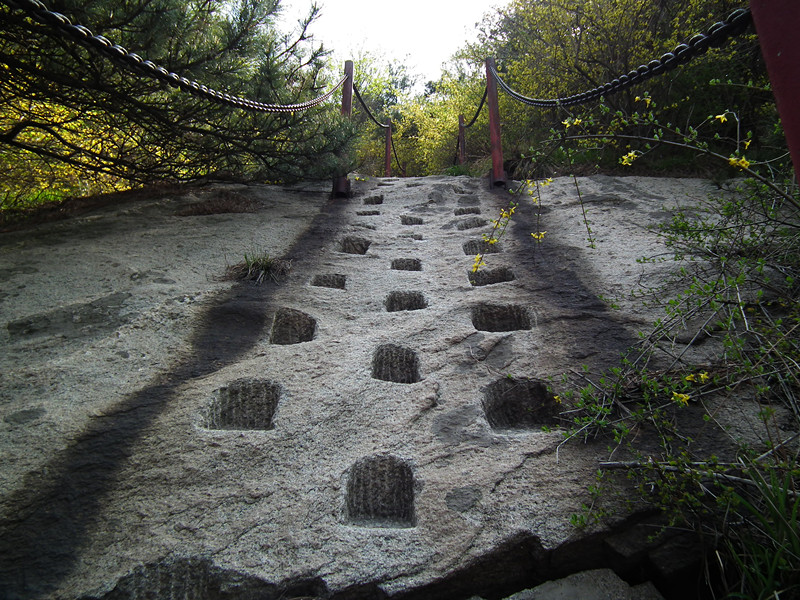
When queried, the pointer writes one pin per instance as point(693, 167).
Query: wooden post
point(388, 169)
point(497, 176)
point(341, 184)
point(462, 141)
point(777, 24)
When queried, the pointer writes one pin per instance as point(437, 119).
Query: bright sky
point(428, 32)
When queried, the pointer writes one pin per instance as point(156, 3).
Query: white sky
point(428, 32)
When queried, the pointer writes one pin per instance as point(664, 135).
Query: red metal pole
point(388, 169)
point(777, 24)
point(341, 184)
point(497, 176)
point(462, 141)
point(347, 90)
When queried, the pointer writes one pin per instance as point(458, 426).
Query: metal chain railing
point(378, 123)
point(461, 141)
point(37, 11)
point(715, 36)
point(480, 107)
point(367, 110)
point(396, 158)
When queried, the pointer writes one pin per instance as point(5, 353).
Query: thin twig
point(675, 469)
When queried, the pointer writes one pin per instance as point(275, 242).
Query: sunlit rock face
point(380, 421)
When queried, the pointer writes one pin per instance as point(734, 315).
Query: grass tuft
point(258, 266)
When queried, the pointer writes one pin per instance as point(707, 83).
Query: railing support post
point(388, 169)
point(341, 184)
point(347, 90)
point(462, 141)
point(497, 176)
point(777, 23)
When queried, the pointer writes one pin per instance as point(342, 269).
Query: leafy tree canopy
point(556, 48)
point(73, 119)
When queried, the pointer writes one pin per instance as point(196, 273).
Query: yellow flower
point(681, 398)
point(567, 123)
point(478, 262)
point(722, 118)
point(747, 144)
point(629, 158)
point(547, 181)
point(739, 163)
point(538, 236)
point(698, 377)
point(557, 399)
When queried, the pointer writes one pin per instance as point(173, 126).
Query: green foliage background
point(555, 48)
point(72, 122)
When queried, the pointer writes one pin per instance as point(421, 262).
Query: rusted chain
point(37, 11)
point(715, 36)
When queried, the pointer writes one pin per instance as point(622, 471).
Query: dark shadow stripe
point(54, 512)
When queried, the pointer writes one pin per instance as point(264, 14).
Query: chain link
point(39, 13)
point(716, 35)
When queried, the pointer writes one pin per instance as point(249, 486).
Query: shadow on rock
point(56, 507)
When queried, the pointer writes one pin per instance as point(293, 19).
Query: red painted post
point(388, 169)
point(341, 184)
point(777, 24)
point(462, 141)
point(347, 90)
point(497, 176)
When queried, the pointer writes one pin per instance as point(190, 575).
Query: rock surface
point(371, 426)
point(599, 584)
